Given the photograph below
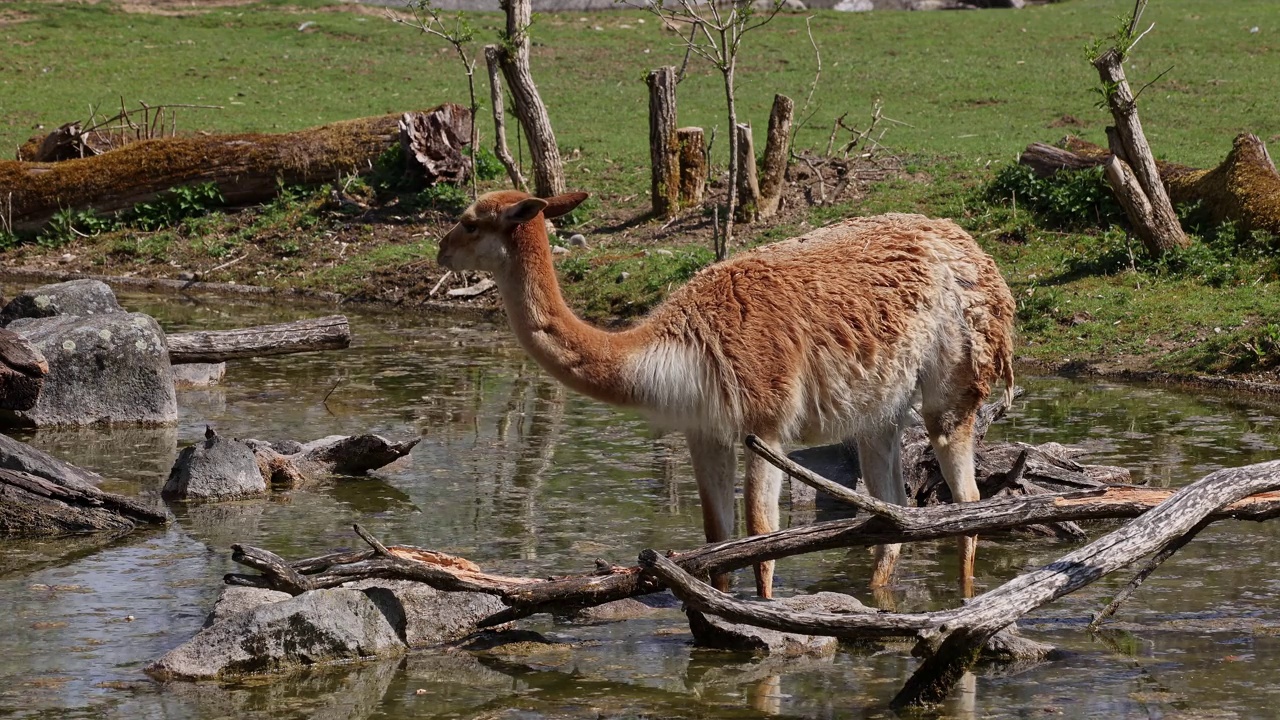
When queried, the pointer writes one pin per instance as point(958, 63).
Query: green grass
point(966, 91)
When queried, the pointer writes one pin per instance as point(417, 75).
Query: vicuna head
point(500, 226)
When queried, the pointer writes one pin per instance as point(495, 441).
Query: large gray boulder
point(75, 297)
point(111, 368)
point(431, 616)
point(713, 632)
point(317, 627)
point(219, 468)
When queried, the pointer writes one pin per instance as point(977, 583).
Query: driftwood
point(326, 333)
point(294, 465)
point(247, 168)
point(1166, 516)
point(1244, 188)
point(664, 149)
point(777, 150)
point(22, 371)
point(43, 496)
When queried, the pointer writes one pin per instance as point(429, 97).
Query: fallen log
point(247, 168)
point(1244, 188)
point(22, 371)
point(528, 596)
point(214, 346)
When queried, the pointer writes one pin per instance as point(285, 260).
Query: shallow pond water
point(525, 478)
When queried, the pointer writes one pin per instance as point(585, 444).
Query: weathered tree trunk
point(22, 371)
point(777, 150)
point(548, 170)
point(247, 168)
point(492, 59)
point(1244, 188)
point(664, 149)
point(326, 333)
point(748, 208)
point(693, 165)
point(1159, 230)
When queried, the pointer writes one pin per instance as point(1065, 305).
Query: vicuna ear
point(524, 211)
point(563, 204)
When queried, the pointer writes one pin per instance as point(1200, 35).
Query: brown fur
point(824, 336)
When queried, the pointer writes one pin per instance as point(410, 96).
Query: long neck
point(587, 359)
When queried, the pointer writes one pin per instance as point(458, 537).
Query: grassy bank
point(965, 91)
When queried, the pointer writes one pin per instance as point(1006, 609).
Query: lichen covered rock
point(75, 297)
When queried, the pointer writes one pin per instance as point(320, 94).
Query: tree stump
point(664, 150)
point(776, 153)
point(748, 209)
point(693, 165)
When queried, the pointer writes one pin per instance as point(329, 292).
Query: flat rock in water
point(236, 600)
point(431, 616)
point(109, 368)
point(75, 297)
point(713, 632)
point(198, 375)
point(316, 627)
point(216, 469)
point(625, 609)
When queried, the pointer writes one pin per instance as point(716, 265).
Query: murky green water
point(517, 474)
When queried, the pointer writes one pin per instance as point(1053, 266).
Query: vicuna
point(826, 336)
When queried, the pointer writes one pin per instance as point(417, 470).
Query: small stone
point(664, 252)
point(559, 250)
point(66, 258)
point(577, 240)
point(129, 618)
point(420, 691)
point(623, 276)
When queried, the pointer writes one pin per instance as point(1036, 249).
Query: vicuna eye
point(469, 227)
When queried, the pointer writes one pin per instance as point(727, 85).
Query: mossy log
point(1244, 188)
point(248, 168)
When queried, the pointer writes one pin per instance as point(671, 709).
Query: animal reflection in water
point(827, 336)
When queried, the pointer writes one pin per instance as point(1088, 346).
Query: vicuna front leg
point(715, 465)
point(951, 432)
point(763, 486)
point(880, 456)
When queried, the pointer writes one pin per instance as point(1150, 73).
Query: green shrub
point(171, 207)
point(1067, 200)
point(487, 165)
point(445, 197)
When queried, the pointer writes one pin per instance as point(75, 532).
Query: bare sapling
point(492, 58)
point(715, 35)
point(1132, 171)
point(427, 19)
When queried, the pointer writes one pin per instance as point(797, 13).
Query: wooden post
point(492, 59)
point(664, 157)
point(1160, 230)
point(548, 170)
point(693, 165)
point(776, 153)
point(748, 187)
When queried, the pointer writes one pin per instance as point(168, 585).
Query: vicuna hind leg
point(880, 456)
point(949, 418)
point(763, 486)
point(715, 465)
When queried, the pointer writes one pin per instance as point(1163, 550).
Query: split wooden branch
point(492, 60)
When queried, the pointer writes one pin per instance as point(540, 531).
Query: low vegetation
point(962, 94)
